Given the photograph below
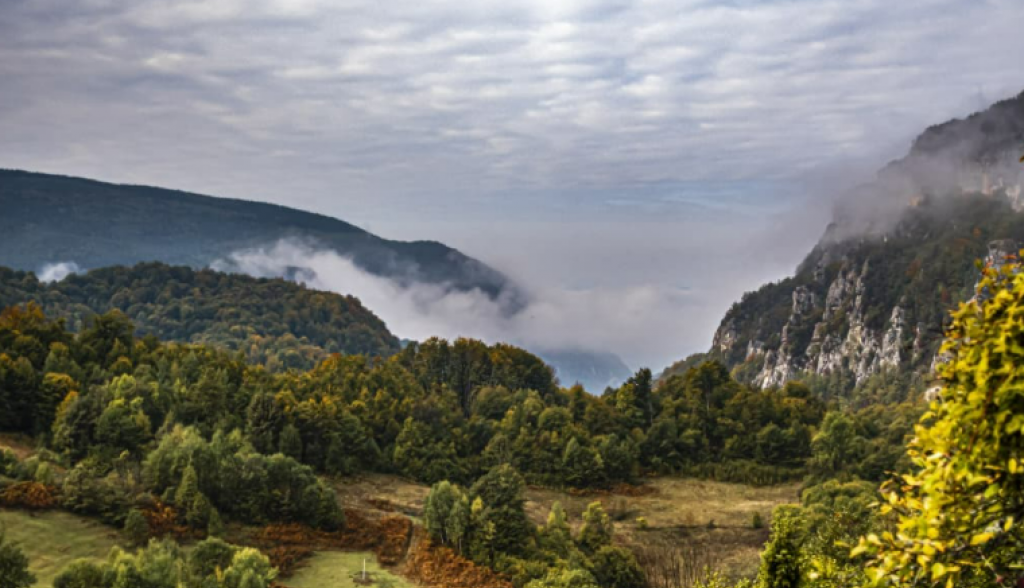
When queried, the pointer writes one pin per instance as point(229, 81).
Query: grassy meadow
point(53, 539)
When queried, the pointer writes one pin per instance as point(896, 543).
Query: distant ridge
point(51, 218)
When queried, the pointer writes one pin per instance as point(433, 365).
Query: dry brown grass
point(21, 445)
point(382, 494)
point(677, 511)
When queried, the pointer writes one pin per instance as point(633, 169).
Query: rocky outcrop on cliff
point(875, 293)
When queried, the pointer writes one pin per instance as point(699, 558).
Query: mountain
point(276, 323)
point(50, 219)
point(595, 371)
point(872, 299)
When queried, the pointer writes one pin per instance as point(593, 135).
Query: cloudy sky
point(687, 148)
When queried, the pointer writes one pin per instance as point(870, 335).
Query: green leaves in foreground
point(958, 513)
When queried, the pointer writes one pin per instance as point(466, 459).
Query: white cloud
point(634, 322)
point(55, 272)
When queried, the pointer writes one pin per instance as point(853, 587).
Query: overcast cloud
point(605, 144)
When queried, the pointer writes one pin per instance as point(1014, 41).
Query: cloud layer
point(632, 321)
point(309, 100)
point(591, 145)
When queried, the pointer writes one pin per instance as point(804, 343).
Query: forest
point(186, 446)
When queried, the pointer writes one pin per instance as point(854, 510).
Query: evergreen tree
point(597, 529)
point(136, 527)
point(501, 491)
point(188, 489)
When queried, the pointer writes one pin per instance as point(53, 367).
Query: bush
point(29, 495)
point(13, 566)
point(757, 522)
point(136, 527)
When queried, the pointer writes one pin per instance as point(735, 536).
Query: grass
point(337, 569)
point(53, 539)
point(682, 510)
point(678, 510)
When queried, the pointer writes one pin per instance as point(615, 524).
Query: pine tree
point(597, 529)
point(136, 527)
point(188, 489)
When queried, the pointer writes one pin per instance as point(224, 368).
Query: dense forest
point(191, 437)
point(273, 322)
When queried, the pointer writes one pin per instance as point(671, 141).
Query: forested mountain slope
point(874, 295)
point(49, 219)
point(277, 323)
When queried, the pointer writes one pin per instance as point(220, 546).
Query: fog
point(55, 272)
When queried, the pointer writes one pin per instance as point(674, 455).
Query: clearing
point(53, 539)
point(342, 569)
point(715, 516)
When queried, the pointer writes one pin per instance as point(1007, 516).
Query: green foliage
point(136, 527)
point(615, 566)
point(226, 474)
point(163, 564)
point(564, 578)
point(781, 559)
point(80, 574)
point(502, 492)
point(13, 565)
point(597, 529)
point(958, 511)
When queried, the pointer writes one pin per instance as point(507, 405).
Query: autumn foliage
point(30, 495)
point(434, 566)
point(288, 545)
point(164, 520)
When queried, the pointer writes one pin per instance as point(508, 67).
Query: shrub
point(136, 527)
point(757, 522)
point(29, 495)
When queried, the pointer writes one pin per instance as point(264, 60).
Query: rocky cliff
point(875, 293)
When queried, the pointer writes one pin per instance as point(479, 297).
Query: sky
point(656, 156)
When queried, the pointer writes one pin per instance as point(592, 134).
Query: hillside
point(874, 295)
point(50, 219)
point(274, 322)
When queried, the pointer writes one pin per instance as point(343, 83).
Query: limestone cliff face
point(875, 293)
point(844, 321)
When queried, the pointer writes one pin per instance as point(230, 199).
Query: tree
point(959, 511)
point(136, 527)
point(556, 536)
point(501, 492)
point(837, 447)
point(780, 560)
point(188, 489)
point(437, 509)
point(215, 526)
point(615, 566)
point(80, 574)
point(13, 565)
point(582, 466)
point(597, 529)
point(291, 442)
